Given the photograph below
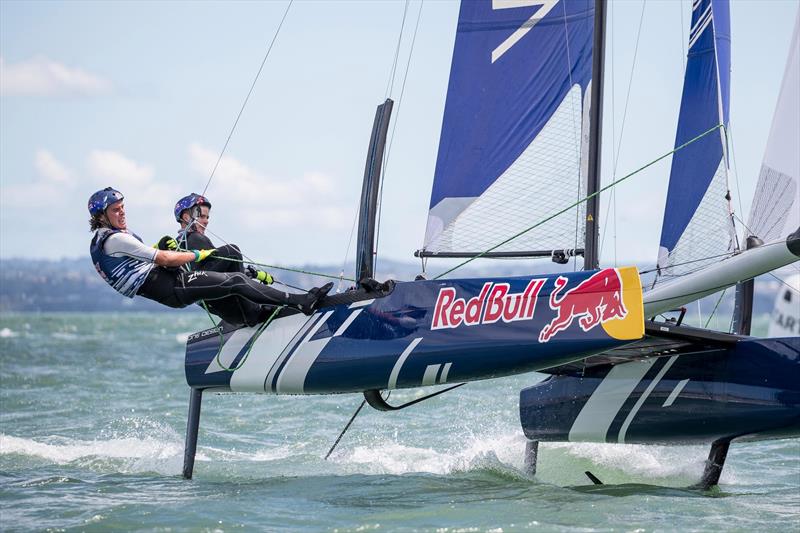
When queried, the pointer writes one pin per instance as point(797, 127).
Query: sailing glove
point(167, 243)
point(200, 255)
point(260, 275)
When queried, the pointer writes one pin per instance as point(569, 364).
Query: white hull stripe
point(675, 392)
point(399, 364)
point(429, 378)
point(362, 303)
point(445, 371)
point(624, 429)
point(293, 376)
point(598, 413)
point(266, 349)
point(347, 322)
point(288, 349)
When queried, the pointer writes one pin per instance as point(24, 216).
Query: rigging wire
point(276, 267)
point(683, 36)
point(566, 209)
point(784, 282)
point(622, 129)
point(389, 87)
point(706, 258)
point(391, 138)
point(390, 83)
point(575, 135)
point(347, 251)
point(252, 86)
point(346, 427)
point(750, 231)
point(713, 310)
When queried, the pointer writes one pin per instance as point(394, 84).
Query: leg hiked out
point(199, 285)
point(233, 309)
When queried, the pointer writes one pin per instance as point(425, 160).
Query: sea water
point(93, 414)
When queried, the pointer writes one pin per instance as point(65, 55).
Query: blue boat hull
point(750, 390)
point(425, 333)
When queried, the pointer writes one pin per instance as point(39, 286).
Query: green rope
point(587, 198)
point(298, 270)
point(260, 330)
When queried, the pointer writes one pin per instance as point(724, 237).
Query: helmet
point(188, 202)
point(99, 201)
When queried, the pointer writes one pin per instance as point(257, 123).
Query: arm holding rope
point(175, 259)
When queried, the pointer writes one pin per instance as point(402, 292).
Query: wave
point(137, 451)
point(151, 447)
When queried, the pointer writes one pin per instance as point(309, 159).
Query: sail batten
point(512, 142)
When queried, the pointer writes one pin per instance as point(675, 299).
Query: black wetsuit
point(128, 266)
point(178, 288)
point(228, 259)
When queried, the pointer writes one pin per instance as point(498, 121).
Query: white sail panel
point(709, 236)
point(546, 178)
point(776, 204)
point(509, 151)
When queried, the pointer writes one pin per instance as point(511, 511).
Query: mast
point(743, 302)
point(591, 260)
point(365, 250)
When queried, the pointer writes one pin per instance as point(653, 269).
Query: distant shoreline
point(72, 285)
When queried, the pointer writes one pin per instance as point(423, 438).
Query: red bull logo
point(593, 301)
point(492, 304)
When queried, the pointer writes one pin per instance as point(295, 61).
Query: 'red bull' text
point(492, 304)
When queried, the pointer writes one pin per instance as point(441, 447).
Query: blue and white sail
point(515, 127)
point(775, 210)
point(698, 227)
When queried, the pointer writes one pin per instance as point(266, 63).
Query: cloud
point(136, 180)
point(310, 199)
point(55, 180)
point(118, 168)
point(41, 76)
point(51, 169)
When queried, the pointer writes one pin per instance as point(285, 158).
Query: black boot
point(372, 285)
point(313, 299)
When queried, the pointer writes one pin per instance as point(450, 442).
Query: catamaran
point(517, 175)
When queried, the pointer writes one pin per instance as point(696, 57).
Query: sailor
point(192, 213)
point(132, 268)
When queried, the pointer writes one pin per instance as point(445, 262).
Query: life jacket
point(124, 274)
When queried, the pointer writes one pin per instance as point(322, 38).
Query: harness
point(125, 274)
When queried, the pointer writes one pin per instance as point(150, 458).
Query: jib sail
point(697, 228)
point(776, 204)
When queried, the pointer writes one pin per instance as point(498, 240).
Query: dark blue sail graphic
point(704, 104)
point(514, 62)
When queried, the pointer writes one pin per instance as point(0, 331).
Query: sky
point(142, 96)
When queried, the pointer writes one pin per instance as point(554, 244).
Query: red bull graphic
point(593, 301)
point(492, 304)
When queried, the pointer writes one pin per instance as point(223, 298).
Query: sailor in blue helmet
point(192, 212)
point(132, 268)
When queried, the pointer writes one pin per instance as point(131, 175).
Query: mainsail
point(777, 191)
point(514, 140)
point(698, 228)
